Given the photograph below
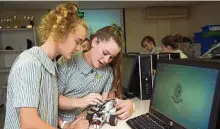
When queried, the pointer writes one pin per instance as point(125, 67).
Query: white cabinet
point(15, 41)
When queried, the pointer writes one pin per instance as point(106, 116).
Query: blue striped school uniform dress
point(32, 84)
point(77, 79)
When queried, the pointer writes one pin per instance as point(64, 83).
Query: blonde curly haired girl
point(32, 94)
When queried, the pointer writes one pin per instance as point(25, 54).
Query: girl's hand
point(124, 109)
point(90, 99)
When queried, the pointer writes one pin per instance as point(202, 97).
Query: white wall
point(137, 27)
point(203, 14)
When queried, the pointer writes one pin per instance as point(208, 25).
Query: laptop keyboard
point(145, 121)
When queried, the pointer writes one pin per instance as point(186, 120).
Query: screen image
point(127, 66)
point(96, 19)
point(185, 94)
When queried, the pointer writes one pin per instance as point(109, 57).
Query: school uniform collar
point(100, 72)
point(47, 63)
point(83, 66)
point(178, 51)
point(154, 50)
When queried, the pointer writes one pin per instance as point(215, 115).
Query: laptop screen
point(185, 94)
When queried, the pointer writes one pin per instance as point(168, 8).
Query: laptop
point(185, 96)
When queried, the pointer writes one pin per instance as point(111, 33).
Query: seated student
point(86, 75)
point(181, 39)
point(149, 44)
point(169, 44)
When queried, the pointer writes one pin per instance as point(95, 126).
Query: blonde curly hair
point(59, 22)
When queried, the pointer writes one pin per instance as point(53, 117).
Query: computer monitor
point(171, 55)
point(137, 76)
point(162, 57)
point(128, 64)
point(213, 52)
point(186, 94)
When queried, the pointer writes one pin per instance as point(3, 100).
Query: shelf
point(5, 70)
point(11, 51)
point(2, 103)
point(3, 86)
point(17, 29)
point(17, 39)
point(3, 95)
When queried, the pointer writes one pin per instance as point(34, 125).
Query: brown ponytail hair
point(171, 41)
point(113, 32)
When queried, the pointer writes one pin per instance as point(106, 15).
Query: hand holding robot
point(99, 114)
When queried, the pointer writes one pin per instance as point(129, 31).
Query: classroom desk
point(141, 107)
